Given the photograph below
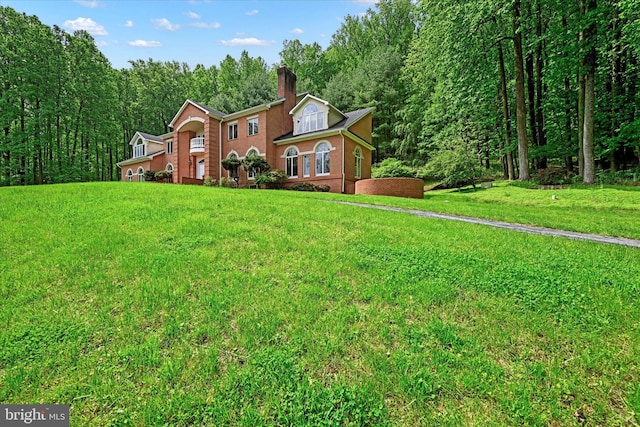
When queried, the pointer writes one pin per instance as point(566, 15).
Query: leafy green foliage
point(209, 181)
point(392, 168)
point(272, 178)
point(307, 186)
point(553, 176)
point(455, 166)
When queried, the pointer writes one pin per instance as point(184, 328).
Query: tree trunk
point(542, 138)
point(589, 65)
point(521, 115)
point(506, 113)
point(580, 125)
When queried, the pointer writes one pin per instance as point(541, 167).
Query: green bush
point(307, 186)
point(455, 166)
point(273, 179)
point(209, 182)
point(392, 168)
point(629, 176)
point(226, 182)
point(150, 175)
point(164, 176)
point(553, 176)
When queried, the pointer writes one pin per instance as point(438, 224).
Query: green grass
point(146, 304)
point(608, 210)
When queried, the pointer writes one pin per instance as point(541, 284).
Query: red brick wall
point(400, 187)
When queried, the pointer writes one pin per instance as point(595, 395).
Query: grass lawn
point(149, 304)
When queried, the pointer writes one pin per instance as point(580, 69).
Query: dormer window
point(139, 149)
point(311, 119)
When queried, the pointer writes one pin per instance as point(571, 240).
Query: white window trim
point(258, 125)
point(234, 123)
point(315, 151)
point(140, 175)
point(129, 175)
point(286, 160)
point(167, 167)
point(357, 154)
point(169, 146)
point(309, 156)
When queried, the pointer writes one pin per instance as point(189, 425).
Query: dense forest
point(515, 86)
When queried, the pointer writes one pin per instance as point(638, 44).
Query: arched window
point(292, 162)
point(311, 119)
point(169, 168)
point(358, 166)
point(129, 175)
point(139, 148)
point(232, 173)
point(140, 174)
point(251, 174)
point(323, 159)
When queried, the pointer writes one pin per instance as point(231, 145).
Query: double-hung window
point(323, 159)
point(292, 162)
point(170, 146)
point(252, 126)
point(233, 131)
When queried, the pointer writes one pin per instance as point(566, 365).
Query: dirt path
point(509, 226)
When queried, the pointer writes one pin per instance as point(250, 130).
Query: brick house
point(305, 136)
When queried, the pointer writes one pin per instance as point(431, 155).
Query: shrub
point(622, 177)
point(553, 176)
point(392, 168)
point(273, 178)
point(164, 176)
point(226, 182)
point(256, 163)
point(454, 165)
point(307, 186)
point(304, 186)
point(150, 175)
point(209, 182)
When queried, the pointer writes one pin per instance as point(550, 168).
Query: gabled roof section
point(135, 160)
point(147, 137)
point(318, 100)
point(350, 119)
point(208, 110)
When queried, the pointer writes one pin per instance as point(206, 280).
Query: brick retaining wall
point(399, 187)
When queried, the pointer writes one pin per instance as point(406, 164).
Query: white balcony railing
point(197, 145)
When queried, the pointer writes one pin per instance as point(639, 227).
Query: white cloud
point(212, 25)
point(366, 2)
point(297, 31)
point(253, 12)
point(165, 24)
point(88, 3)
point(192, 15)
point(101, 43)
point(144, 43)
point(86, 24)
point(128, 24)
point(249, 41)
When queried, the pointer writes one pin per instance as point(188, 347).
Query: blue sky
point(194, 31)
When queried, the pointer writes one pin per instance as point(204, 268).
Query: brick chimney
point(287, 90)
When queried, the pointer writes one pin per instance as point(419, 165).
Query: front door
point(200, 170)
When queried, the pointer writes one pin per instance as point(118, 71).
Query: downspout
point(342, 135)
point(219, 151)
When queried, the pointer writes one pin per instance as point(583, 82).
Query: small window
point(140, 174)
point(306, 165)
point(358, 165)
point(252, 125)
point(170, 146)
point(129, 175)
point(169, 168)
point(233, 131)
point(323, 159)
point(292, 162)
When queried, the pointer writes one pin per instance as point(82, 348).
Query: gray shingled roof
point(209, 109)
point(151, 137)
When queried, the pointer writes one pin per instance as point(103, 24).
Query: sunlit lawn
point(152, 304)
